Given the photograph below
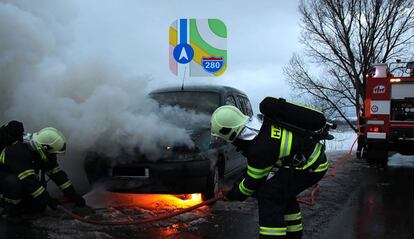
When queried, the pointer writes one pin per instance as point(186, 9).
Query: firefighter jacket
point(275, 147)
point(18, 159)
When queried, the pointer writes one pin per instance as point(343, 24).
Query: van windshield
point(203, 102)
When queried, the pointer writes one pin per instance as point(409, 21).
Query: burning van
point(179, 169)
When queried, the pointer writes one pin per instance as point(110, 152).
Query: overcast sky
point(262, 35)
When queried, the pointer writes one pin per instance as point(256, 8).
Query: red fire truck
point(389, 111)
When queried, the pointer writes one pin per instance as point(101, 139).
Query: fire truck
point(389, 111)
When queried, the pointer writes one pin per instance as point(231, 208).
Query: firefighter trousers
point(279, 212)
point(13, 197)
point(361, 145)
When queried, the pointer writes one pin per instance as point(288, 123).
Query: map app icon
point(199, 45)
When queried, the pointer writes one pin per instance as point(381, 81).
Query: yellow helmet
point(50, 140)
point(227, 122)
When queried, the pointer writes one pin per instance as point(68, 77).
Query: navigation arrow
point(183, 54)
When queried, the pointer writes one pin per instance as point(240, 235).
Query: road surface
point(359, 202)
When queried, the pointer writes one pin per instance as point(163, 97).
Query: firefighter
point(280, 166)
point(20, 165)
point(361, 135)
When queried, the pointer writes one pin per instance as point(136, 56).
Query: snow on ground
point(343, 140)
point(398, 160)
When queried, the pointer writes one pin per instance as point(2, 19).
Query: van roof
point(201, 88)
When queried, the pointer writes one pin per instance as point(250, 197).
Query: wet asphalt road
point(359, 202)
point(386, 207)
point(380, 203)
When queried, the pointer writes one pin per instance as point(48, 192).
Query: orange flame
point(155, 201)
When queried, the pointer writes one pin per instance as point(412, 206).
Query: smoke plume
point(94, 102)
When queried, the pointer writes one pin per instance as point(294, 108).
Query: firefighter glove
point(74, 196)
point(78, 200)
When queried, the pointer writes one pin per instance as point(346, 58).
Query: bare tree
point(342, 38)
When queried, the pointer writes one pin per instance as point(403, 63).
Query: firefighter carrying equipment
point(273, 150)
point(227, 122)
point(296, 162)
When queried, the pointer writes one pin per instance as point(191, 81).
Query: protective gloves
point(78, 200)
point(74, 196)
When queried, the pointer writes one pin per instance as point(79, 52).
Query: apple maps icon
point(198, 47)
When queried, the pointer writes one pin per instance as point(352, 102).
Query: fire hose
point(309, 202)
point(315, 190)
point(141, 221)
point(332, 172)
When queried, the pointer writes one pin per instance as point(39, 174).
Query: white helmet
point(227, 122)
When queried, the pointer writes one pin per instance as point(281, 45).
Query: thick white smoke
point(90, 99)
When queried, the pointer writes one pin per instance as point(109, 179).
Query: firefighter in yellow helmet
point(270, 176)
point(21, 189)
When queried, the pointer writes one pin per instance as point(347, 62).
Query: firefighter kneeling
point(276, 173)
point(20, 163)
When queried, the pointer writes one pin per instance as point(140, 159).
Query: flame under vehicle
point(389, 111)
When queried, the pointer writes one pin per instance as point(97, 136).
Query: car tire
point(213, 184)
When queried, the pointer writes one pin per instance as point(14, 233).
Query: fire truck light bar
point(395, 80)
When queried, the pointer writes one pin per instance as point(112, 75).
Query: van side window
point(242, 105)
point(245, 106)
point(231, 101)
point(248, 107)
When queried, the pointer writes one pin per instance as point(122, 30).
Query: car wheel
point(213, 184)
